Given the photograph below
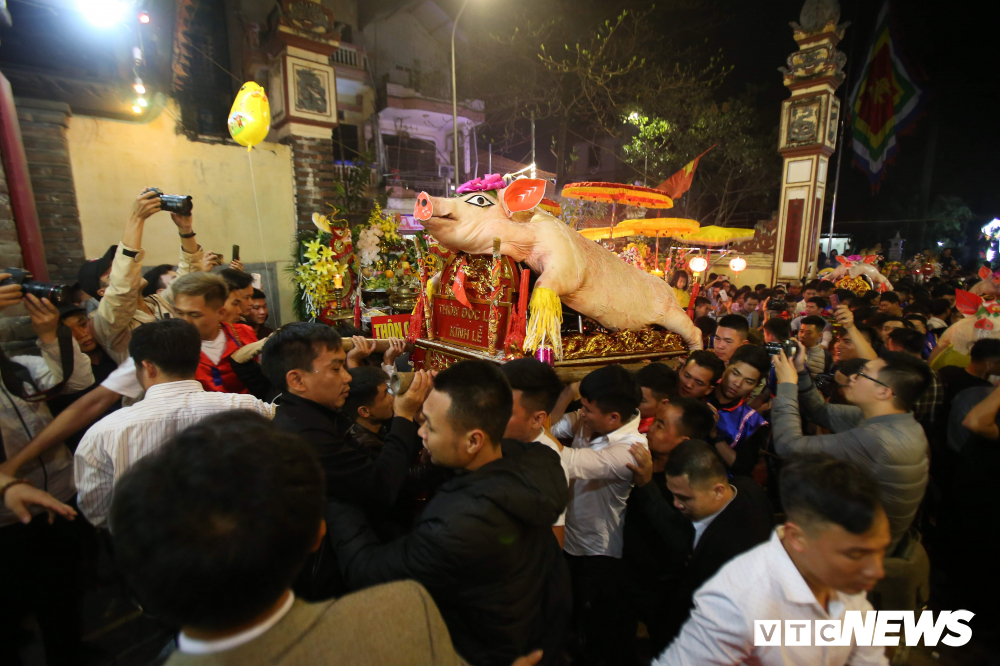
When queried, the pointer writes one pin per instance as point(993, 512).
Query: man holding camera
point(116, 278)
point(877, 431)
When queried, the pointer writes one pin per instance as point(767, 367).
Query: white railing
point(349, 56)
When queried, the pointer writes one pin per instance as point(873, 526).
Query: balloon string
point(260, 228)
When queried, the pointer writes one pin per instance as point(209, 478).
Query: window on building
point(408, 155)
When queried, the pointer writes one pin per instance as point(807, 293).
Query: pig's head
point(470, 221)
point(857, 266)
point(982, 320)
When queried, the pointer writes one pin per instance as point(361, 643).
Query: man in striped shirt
point(166, 355)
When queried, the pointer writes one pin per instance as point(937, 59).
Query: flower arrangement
point(322, 268)
point(491, 181)
point(635, 254)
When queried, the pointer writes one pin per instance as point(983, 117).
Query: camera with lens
point(58, 294)
point(174, 203)
point(777, 305)
point(826, 383)
point(790, 347)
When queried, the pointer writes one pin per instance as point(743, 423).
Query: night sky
point(950, 47)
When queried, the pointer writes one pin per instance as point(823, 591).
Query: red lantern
point(738, 264)
point(698, 264)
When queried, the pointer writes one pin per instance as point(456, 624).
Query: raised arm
point(846, 319)
point(982, 419)
point(45, 324)
point(79, 415)
point(611, 462)
point(569, 393)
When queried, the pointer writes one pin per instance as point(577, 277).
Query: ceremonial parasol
point(654, 226)
point(713, 236)
point(601, 233)
point(551, 207)
point(616, 193)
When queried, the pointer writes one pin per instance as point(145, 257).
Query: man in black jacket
point(729, 517)
point(484, 546)
point(306, 361)
point(657, 537)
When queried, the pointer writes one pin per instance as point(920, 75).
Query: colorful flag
point(680, 182)
point(884, 102)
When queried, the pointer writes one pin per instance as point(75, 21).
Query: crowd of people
point(268, 498)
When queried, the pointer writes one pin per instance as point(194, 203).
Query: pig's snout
point(424, 208)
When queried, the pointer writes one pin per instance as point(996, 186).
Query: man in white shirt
point(597, 464)
point(536, 389)
point(166, 355)
point(815, 567)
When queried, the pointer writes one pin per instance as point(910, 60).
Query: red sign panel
point(391, 326)
point(453, 322)
point(793, 230)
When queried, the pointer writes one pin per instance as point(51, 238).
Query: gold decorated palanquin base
point(582, 353)
point(856, 284)
point(622, 343)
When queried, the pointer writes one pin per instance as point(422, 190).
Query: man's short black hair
point(814, 320)
point(697, 419)
point(706, 325)
point(910, 339)
point(236, 279)
point(912, 317)
point(939, 307)
point(698, 461)
point(760, 286)
point(214, 527)
point(813, 284)
point(825, 285)
point(295, 347)
point(258, 295)
point(365, 383)
point(779, 327)
point(737, 323)
point(921, 309)
point(538, 383)
point(751, 294)
point(613, 389)
point(154, 279)
point(851, 366)
point(844, 295)
point(660, 379)
point(907, 376)
point(887, 318)
point(866, 331)
point(818, 301)
point(172, 345)
point(480, 397)
point(817, 487)
point(889, 297)
point(986, 349)
point(701, 300)
point(753, 356)
point(709, 360)
point(942, 290)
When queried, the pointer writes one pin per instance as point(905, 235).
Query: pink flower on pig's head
point(491, 181)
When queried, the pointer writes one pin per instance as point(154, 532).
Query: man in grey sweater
point(878, 431)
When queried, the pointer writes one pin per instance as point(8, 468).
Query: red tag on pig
point(458, 287)
point(423, 209)
point(523, 194)
point(967, 302)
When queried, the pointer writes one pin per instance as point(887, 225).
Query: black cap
point(72, 308)
point(90, 273)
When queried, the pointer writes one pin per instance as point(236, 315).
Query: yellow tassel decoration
point(545, 322)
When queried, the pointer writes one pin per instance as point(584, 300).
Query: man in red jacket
point(200, 299)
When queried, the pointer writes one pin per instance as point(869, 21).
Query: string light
point(139, 88)
point(141, 101)
point(143, 17)
point(136, 108)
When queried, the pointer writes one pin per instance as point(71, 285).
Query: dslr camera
point(789, 346)
point(58, 294)
point(174, 203)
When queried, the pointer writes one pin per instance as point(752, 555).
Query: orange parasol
point(551, 207)
point(654, 226)
point(618, 193)
point(602, 233)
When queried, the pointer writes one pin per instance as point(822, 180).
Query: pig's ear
point(871, 259)
point(841, 259)
point(985, 273)
point(967, 302)
point(523, 194)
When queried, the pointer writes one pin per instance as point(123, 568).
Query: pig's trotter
point(676, 320)
point(545, 322)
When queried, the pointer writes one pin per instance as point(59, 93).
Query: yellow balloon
point(250, 117)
